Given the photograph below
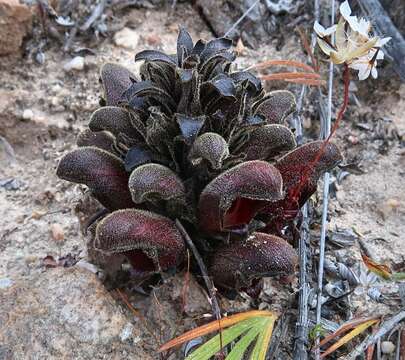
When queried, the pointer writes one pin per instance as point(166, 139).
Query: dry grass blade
point(309, 82)
point(345, 327)
point(379, 269)
point(290, 75)
point(352, 334)
point(370, 349)
point(215, 326)
point(268, 63)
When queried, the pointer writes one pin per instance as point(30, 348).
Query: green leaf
point(260, 350)
point(398, 276)
point(211, 347)
point(243, 328)
point(239, 349)
point(316, 331)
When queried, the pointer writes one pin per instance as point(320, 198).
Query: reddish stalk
point(307, 172)
point(308, 49)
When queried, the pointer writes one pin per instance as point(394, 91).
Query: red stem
point(307, 172)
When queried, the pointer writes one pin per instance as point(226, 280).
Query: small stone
point(354, 140)
point(77, 63)
point(57, 232)
point(28, 114)
point(30, 259)
point(5, 283)
point(56, 88)
point(36, 215)
point(55, 101)
point(153, 39)
point(126, 38)
point(87, 266)
point(126, 332)
point(387, 347)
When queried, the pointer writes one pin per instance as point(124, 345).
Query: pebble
point(57, 232)
point(5, 283)
point(387, 347)
point(77, 63)
point(28, 114)
point(153, 40)
point(87, 266)
point(126, 38)
point(55, 101)
point(126, 332)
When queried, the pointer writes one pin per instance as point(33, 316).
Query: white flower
point(367, 65)
point(354, 44)
point(382, 42)
point(362, 26)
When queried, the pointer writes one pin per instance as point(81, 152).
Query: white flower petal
point(374, 72)
point(359, 65)
point(321, 31)
point(325, 47)
point(364, 73)
point(362, 65)
point(355, 24)
point(380, 55)
point(364, 27)
point(382, 42)
point(330, 30)
point(345, 10)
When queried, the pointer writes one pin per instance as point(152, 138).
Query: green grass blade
point(212, 346)
point(240, 347)
point(262, 343)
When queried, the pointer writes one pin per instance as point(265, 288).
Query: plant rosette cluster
point(195, 141)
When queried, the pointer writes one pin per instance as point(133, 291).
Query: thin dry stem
point(208, 282)
point(309, 82)
point(186, 283)
point(308, 49)
point(290, 75)
point(268, 63)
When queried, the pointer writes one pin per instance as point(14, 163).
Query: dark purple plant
point(194, 141)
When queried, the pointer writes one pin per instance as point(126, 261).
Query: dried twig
point(385, 327)
point(208, 282)
point(246, 13)
point(290, 75)
point(282, 335)
point(301, 327)
point(186, 283)
point(281, 62)
point(309, 82)
point(326, 133)
point(96, 13)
